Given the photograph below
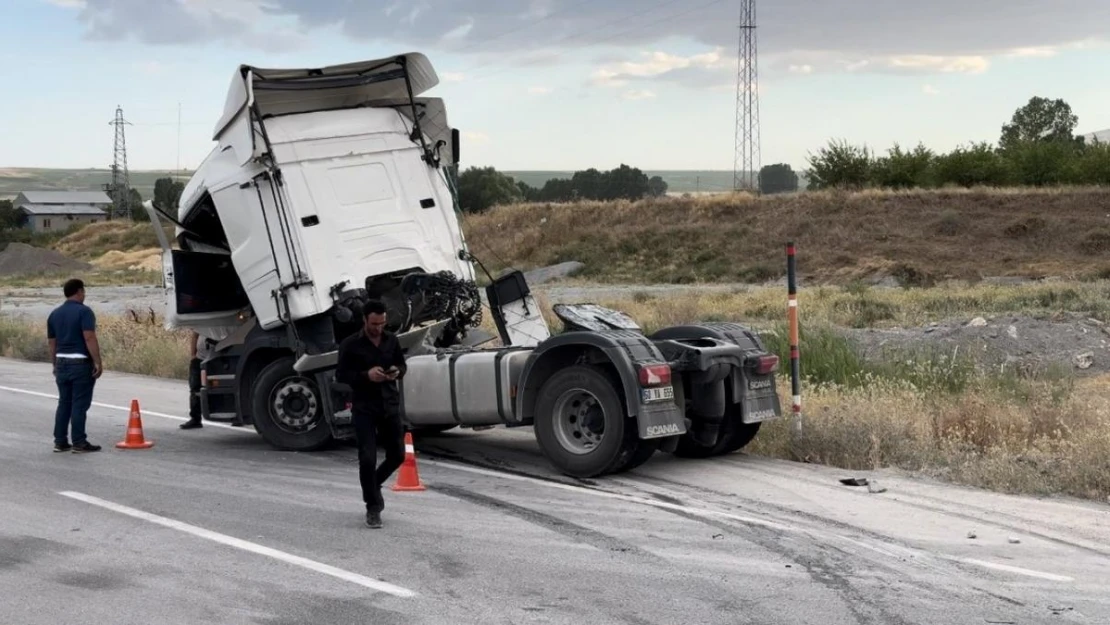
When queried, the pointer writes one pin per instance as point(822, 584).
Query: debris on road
point(972, 535)
point(1085, 360)
point(854, 481)
point(1014, 540)
point(873, 487)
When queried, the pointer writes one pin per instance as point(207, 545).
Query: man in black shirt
point(371, 362)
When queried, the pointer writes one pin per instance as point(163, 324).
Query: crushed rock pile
point(22, 259)
point(1068, 339)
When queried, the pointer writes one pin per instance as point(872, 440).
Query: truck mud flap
point(661, 421)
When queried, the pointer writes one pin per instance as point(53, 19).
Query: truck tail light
point(766, 364)
point(655, 375)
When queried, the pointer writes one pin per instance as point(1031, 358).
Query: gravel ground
point(1069, 340)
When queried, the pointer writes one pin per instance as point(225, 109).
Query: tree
point(481, 188)
point(167, 193)
point(1040, 119)
point(777, 178)
point(9, 217)
point(138, 213)
point(657, 187)
point(905, 170)
point(840, 165)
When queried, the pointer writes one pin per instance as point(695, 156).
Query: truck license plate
point(652, 395)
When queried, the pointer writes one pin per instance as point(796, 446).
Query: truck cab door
point(200, 288)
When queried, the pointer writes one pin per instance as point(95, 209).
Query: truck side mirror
point(455, 146)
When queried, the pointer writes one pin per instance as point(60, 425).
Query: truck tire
point(734, 435)
point(287, 409)
point(580, 423)
point(643, 452)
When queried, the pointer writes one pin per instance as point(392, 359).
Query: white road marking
point(142, 411)
point(230, 541)
point(1013, 569)
point(703, 512)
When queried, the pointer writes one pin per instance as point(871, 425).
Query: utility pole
point(745, 169)
point(121, 180)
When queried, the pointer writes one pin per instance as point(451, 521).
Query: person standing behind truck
point(370, 362)
point(198, 352)
point(75, 354)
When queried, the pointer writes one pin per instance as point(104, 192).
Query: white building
point(51, 211)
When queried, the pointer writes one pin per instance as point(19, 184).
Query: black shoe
point(192, 424)
point(85, 448)
point(374, 520)
point(64, 447)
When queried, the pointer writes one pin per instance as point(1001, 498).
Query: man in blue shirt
point(75, 352)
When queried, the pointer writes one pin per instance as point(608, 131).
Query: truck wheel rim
point(295, 405)
point(579, 421)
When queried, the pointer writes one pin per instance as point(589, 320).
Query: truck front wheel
point(580, 423)
point(288, 411)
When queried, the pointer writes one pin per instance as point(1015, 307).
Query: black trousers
point(371, 428)
point(194, 389)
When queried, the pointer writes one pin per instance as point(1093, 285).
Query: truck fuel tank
point(467, 387)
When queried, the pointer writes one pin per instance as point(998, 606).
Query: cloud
point(805, 68)
point(150, 68)
point(477, 138)
point(539, 90)
point(699, 70)
point(929, 90)
point(1035, 51)
point(870, 35)
point(67, 4)
point(242, 22)
point(452, 77)
point(641, 94)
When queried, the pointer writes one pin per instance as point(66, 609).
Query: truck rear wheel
point(287, 408)
point(734, 435)
point(580, 423)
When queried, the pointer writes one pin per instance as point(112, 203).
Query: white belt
point(72, 356)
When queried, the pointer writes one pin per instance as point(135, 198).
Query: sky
point(557, 84)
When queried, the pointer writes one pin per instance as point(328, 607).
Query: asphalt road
point(213, 526)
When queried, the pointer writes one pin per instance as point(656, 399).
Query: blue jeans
point(75, 392)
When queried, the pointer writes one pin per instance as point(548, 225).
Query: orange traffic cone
point(135, 438)
point(409, 478)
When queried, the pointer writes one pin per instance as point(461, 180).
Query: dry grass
point(126, 346)
point(919, 237)
point(95, 278)
point(95, 240)
point(860, 306)
point(1045, 441)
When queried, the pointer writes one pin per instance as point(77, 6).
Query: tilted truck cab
point(332, 186)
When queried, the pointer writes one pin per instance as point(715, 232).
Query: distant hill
point(678, 180)
point(14, 181)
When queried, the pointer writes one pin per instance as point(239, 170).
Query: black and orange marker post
point(792, 319)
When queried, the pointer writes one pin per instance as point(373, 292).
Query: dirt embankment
point(20, 259)
point(912, 238)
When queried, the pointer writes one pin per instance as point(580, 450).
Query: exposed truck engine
point(332, 186)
